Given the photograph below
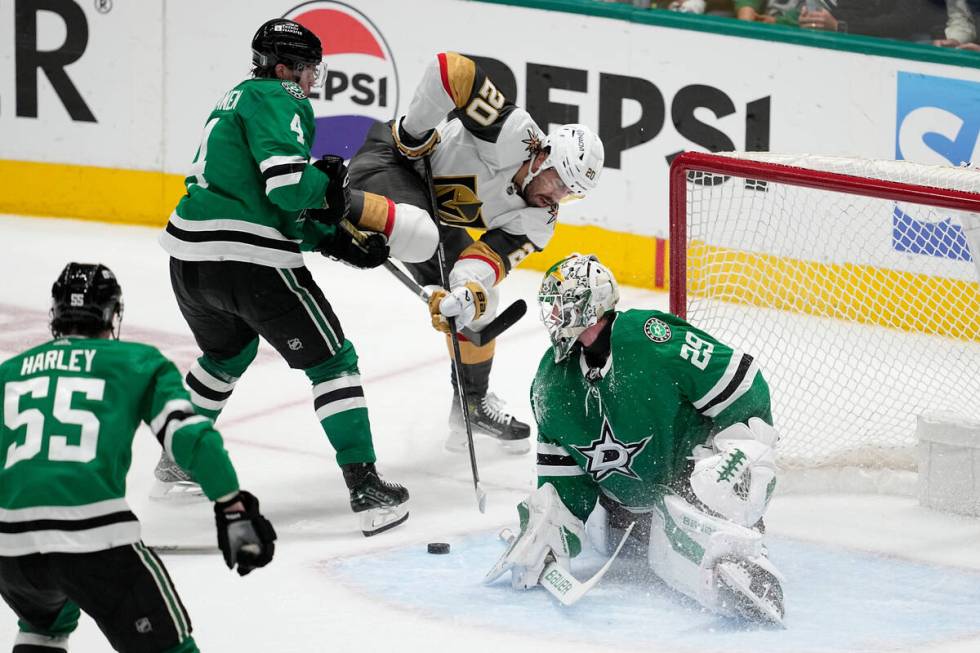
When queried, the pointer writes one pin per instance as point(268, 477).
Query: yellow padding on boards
point(90, 193)
point(469, 353)
point(854, 293)
point(632, 258)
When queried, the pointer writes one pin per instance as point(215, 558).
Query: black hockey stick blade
point(505, 320)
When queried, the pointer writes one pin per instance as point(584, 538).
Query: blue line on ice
point(836, 600)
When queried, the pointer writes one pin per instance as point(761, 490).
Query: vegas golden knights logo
point(459, 204)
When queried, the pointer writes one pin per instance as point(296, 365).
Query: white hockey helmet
point(575, 292)
point(576, 153)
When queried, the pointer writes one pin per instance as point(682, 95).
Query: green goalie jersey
point(70, 410)
point(626, 428)
point(251, 180)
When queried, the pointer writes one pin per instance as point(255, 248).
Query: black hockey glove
point(245, 537)
point(370, 253)
point(337, 196)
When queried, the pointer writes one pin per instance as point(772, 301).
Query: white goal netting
point(863, 311)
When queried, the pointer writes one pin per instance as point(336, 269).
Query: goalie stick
point(557, 580)
point(504, 320)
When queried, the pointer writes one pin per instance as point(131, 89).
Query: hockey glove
point(337, 196)
point(371, 252)
point(736, 477)
point(413, 148)
point(465, 303)
point(548, 531)
point(245, 537)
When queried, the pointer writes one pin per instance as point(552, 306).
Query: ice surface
point(865, 573)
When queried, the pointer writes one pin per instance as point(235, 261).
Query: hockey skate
point(750, 589)
point(379, 505)
point(488, 417)
point(173, 483)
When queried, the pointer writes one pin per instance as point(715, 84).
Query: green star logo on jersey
point(607, 455)
point(656, 330)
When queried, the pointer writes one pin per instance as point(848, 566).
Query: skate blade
point(181, 491)
point(735, 584)
point(379, 520)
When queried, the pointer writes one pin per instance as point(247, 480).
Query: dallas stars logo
point(607, 455)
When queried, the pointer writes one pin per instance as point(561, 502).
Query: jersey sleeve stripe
point(389, 219)
point(457, 74)
point(741, 382)
point(172, 406)
point(723, 381)
point(290, 179)
point(274, 161)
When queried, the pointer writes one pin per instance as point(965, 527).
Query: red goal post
point(850, 281)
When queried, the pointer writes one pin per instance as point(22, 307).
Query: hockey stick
point(481, 495)
point(558, 581)
point(504, 320)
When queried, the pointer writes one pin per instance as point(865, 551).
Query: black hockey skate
point(173, 483)
point(750, 589)
point(488, 417)
point(379, 505)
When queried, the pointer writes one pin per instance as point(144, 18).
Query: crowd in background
point(944, 23)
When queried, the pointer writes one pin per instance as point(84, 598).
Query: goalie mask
point(574, 294)
point(86, 300)
point(576, 153)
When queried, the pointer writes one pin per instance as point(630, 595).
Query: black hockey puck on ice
point(437, 547)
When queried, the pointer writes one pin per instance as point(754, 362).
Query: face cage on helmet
point(319, 71)
point(564, 320)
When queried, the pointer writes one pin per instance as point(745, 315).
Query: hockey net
point(850, 281)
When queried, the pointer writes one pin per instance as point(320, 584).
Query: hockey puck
point(438, 547)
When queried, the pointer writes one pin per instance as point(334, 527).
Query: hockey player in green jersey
point(68, 539)
point(253, 204)
point(644, 418)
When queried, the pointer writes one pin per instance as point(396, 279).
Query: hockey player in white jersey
point(494, 171)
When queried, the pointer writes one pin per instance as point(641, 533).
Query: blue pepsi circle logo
point(361, 85)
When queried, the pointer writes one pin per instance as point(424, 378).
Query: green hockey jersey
point(626, 428)
point(69, 413)
point(251, 180)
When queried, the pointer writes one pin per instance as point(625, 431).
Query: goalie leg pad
point(691, 551)
point(548, 531)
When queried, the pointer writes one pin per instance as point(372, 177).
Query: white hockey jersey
point(484, 141)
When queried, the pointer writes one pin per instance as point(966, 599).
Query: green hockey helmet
point(86, 299)
point(575, 292)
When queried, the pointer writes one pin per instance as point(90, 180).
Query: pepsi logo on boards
point(361, 85)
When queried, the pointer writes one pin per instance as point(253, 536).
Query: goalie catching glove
point(549, 531)
point(245, 536)
point(466, 303)
point(735, 476)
